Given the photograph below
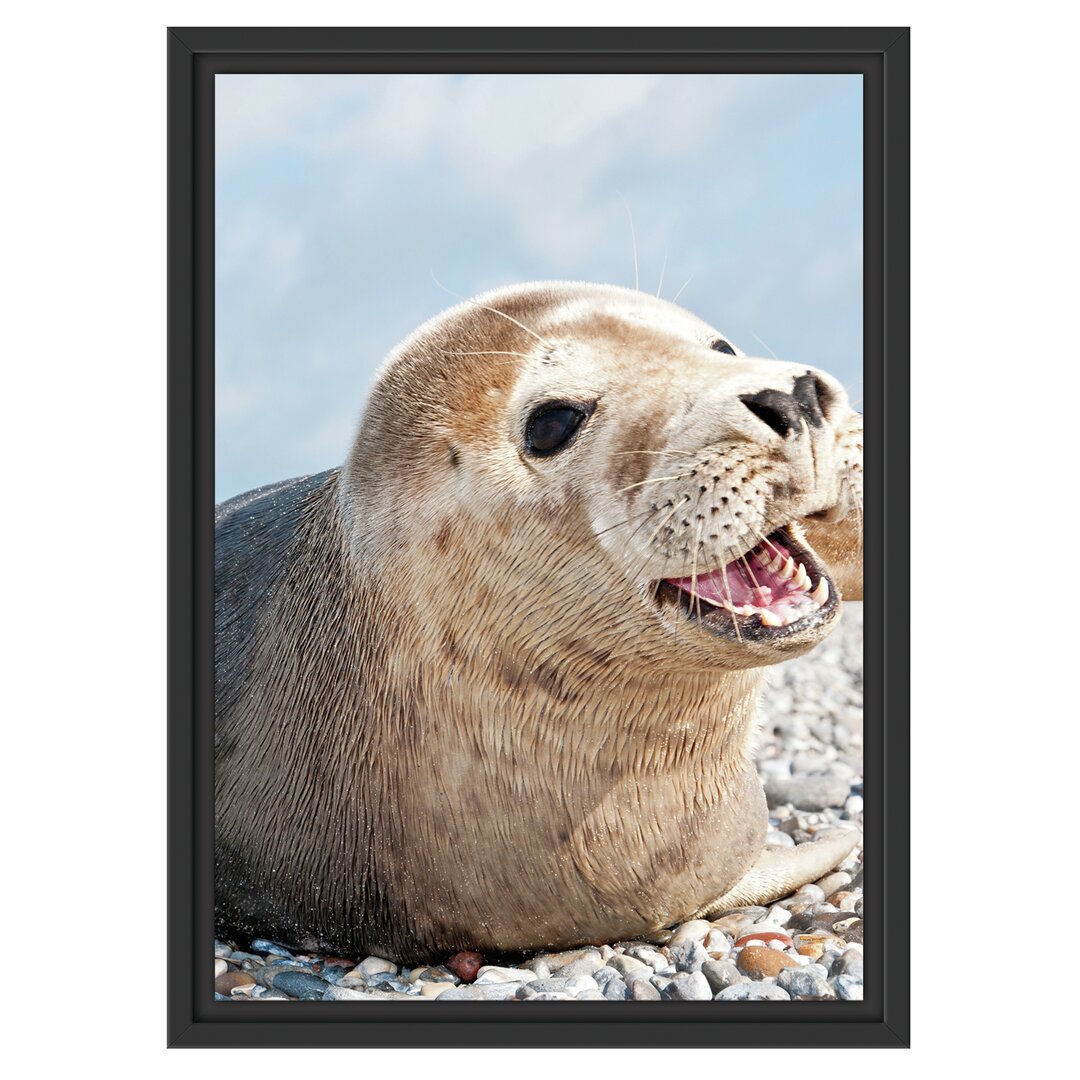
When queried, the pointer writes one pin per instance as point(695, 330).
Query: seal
point(492, 684)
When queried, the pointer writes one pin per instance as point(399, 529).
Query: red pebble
point(765, 936)
point(465, 965)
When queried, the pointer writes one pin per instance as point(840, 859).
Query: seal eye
point(720, 345)
point(552, 426)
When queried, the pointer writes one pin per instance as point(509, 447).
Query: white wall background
point(995, 375)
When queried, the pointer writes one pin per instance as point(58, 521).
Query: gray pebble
point(810, 981)
point(590, 995)
point(616, 990)
point(688, 955)
point(643, 990)
point(808, 792)
point(687, 986)
point(466, 993)
point(261, 945)
point(850, 962)
point(721, 974)
point(300, 984)
point(848, 988)
point(584, 966)
point(753, 991)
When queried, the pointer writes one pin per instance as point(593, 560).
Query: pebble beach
point(804, 947)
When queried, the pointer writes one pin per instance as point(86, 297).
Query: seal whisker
point(654, 480)
point(663, 267)
point(683, 286)
point(496, 311)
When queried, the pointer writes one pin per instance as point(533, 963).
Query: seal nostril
point(780, 411)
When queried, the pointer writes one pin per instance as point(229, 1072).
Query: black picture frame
point(195, 56)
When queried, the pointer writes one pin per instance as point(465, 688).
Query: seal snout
point(785, 413)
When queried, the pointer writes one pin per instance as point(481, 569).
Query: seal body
point(492, 684)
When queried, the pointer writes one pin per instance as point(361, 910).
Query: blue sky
point(339, 198)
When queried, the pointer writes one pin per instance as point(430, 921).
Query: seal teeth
point(769, 619)
point(802, 579)
point(821, 593)
point(787, 571)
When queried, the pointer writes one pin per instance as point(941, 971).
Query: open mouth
point(775, 589)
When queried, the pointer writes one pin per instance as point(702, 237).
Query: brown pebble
point(224, 984)
point(465, 965)
point(759, 961)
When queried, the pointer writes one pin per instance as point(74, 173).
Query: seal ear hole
point(552, 426)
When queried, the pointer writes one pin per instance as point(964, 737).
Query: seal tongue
point(767, 581)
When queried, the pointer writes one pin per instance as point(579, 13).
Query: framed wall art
point(538, 524)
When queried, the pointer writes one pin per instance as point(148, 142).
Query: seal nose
point(784, 413)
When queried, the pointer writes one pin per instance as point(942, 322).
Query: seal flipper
point(781, 872)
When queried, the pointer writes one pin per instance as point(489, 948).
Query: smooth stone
point(717, 943)
point(694, 930)
point(806, 982)
point(435, 974)
point(816, 791)
point(734, 925)
point(778, 915)
point(753, 991)
point(462, 993)
point(720, 974)
point(616, 989)
point(262, 945)
point(374, 965)
point(220, 967)
point(265, 975)
point(243, 991)
point(434, 989)
point(848, 988)
point(848, 963)
point(853, 805)
point(606, 953)
point(688, 955)
point(225, 984)
point(776, 840)
point(648, 955)
point(623, 964)
point(604, 975)
point(549, 996)
point(343, 993)
point(298, 984)
point(497, 991)
point(222, 950)
point(643, 990)
point(830, 883)
point(687, 986)
point(584, 966)
point(492, 974)
point(465, 965)
point(761, 962)
point(245, 958)
point(557, 961)
point(573, 985)
point(858, 909)
point(590, 995)
point(540, 966)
